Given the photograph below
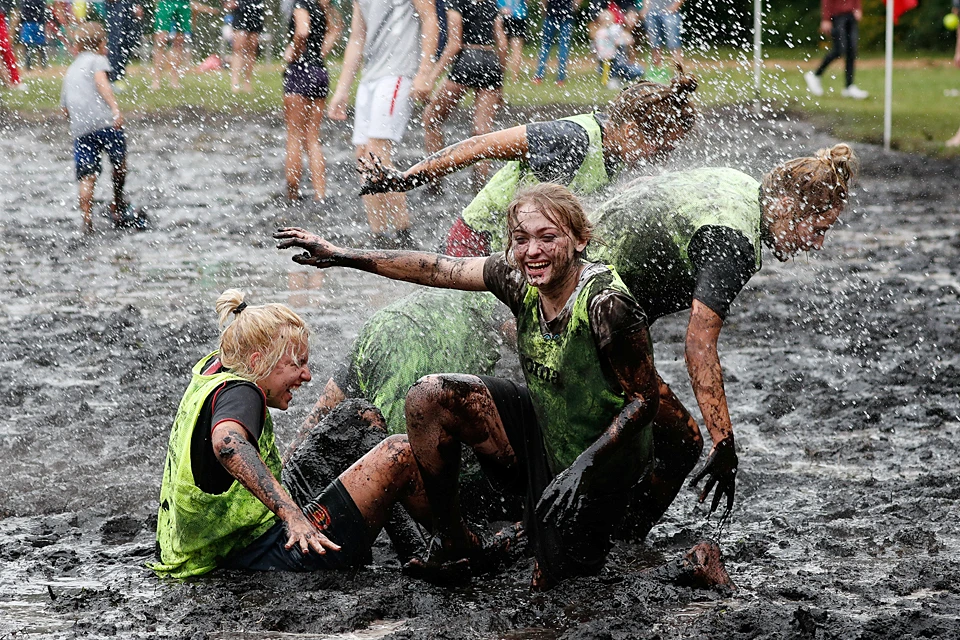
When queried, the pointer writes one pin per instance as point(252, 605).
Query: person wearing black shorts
point(315, 27)
point(515, 26)
point(475, 52)
point(228, 501)
point(248, 18)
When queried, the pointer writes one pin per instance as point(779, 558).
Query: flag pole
point(757, 46)
point(888, 80)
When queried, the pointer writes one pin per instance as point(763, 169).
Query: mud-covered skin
point(842, 369)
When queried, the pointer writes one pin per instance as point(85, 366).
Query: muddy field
point(842, 371)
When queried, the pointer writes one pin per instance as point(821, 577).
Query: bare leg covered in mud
point(442, 412)
point(677, 445)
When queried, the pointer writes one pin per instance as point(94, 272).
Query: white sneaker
point(813, 83)
point(855, 92)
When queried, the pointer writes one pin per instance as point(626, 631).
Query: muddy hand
point(721, 467)
point(562, 497)
point(302, 533)
point(379, 178)
point(317, 251)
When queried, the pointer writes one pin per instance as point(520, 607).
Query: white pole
point(888, 80)
point(757, 45)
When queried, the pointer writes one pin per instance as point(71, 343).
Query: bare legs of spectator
point(303, 117)
point(245, 46)
point(384, 208)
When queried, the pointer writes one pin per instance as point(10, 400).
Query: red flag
point(900, 7)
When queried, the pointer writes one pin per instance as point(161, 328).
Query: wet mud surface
point(842, 373)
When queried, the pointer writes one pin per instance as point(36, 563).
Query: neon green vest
point(430, 331)
point(487, 212)
point(574, 401)
point(195, 529)
point(646, 230)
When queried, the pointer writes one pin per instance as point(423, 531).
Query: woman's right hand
point(301, 532)
point(317, 252)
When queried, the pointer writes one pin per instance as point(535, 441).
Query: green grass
point(925, 110)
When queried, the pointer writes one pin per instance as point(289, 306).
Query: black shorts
point(306, 79)
point(515, 28)
point(477, 69)
point(248, 16)
point(335, 513)
point(575, 548)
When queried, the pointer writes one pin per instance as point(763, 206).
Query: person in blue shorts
point(662, 18)
point(33, 17)
point(96, 125)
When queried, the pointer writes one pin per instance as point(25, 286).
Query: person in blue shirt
point(515, 26)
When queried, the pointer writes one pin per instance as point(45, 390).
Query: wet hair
point(657, 109)
point(89, 36)
point(558, 204)
point(273, 330)
point(817, 183)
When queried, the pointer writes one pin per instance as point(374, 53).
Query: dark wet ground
point(842, 372)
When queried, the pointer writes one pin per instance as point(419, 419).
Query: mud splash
point(842, 372)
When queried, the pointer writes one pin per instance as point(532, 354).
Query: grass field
point(926, 97)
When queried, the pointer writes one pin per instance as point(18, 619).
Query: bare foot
point(702, 568)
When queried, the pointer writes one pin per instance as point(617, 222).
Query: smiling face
point(288, 374)
point(789, 231)
point(544, 251)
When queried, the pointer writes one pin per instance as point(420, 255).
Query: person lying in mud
point(584, 152)
point(577, 438)
point(692, 240)
point(222, 504)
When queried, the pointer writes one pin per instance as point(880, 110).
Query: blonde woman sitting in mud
point(691, 240)
point(583, 152)
point(222, 504)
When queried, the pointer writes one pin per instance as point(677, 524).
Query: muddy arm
point(242, 460)
point(430, 269)
point(706, 377)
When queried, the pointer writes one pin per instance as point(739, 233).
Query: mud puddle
point(842, 370)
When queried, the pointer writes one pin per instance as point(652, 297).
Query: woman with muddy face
point(221, 501)
point(583, 152)
point(577, 437)
point(692, 240)
point(315, 28)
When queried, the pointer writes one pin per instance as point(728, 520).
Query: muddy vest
point(430, 331)
point(645, 231)
point(195, 529)
point(488, 210)
point(574, 401)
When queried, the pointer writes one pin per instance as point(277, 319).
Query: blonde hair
point(818, 183)
point(89, 36)
point(273, 330)
point(558, 204)
point(658, 110)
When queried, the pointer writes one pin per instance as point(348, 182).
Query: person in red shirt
point(841, 19)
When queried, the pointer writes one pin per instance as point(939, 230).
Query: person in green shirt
point(577, 438)
point(584, 152)
point(222, 503)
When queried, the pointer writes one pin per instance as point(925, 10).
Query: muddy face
point(544, 251)
point(790, 230)
point(285, 378)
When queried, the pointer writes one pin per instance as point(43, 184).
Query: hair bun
point(228, 304)
point(843, 161)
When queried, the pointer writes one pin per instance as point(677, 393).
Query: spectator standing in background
point(397, 42)
point(955, 140)
point(123, 36)
point(248, 17)
point(515, 26)
point(839, 18)
point(33, 18)
point(663, 22)
point(11, 73)
point(557, 21)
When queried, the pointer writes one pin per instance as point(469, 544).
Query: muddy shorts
point(306, 79)
point(248, 16)
point(575, 548)
point(333, 512)
point(477, 69)
point(87, 149)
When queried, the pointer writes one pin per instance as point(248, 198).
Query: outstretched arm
point(430, 269)
point(610, 464)
point(241, 459)
point(506, 144)
point(706, 377)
